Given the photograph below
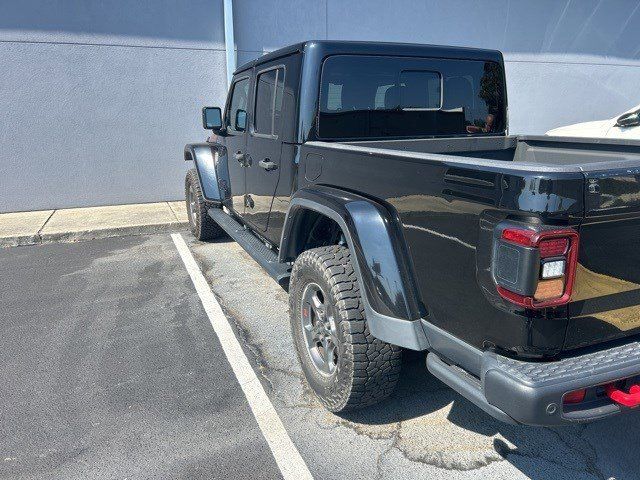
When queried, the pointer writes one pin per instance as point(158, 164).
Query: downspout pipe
point(229, 42)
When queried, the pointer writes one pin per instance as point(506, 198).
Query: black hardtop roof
point(333, 47)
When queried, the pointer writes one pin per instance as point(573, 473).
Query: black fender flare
point(382, 265)
point(210, 160)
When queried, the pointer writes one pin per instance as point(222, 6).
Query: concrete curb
point(69, 237)
point(19, 240)
point(89, 223)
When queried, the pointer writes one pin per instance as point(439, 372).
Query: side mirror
point(241, 120)
point(211, 118)
point(629, 119)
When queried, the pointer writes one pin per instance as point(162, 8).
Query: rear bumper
point(516, 391)
point(531, 392)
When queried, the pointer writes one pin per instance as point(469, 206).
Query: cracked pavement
point(425, 430)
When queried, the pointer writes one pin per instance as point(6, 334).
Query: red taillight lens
point(554, 247)
point(534, 290)
point(576, 396)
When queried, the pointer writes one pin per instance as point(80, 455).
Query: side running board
point(262, 254)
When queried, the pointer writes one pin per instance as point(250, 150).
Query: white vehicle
point(626, 125)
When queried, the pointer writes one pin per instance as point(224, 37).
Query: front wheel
point(343, 363)
point(200, 223)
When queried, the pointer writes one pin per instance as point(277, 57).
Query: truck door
point(264, 144)
point(236, 139)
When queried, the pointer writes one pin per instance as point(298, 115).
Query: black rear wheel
point(343, 363)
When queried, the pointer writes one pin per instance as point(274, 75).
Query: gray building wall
point(567, 61)
point(100, 97)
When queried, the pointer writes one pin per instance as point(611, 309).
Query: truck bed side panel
point(447, 210)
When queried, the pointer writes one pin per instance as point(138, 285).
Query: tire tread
point(375, 364)
point(202, 226)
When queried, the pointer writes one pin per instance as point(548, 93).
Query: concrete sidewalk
point(73, 224)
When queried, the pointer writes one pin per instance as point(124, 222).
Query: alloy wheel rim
point(192, 205)
point(319, 327)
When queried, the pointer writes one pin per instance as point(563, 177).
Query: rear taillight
point(535, 268)
point(553, 247)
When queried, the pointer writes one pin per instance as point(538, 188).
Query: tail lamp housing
point(535, 268)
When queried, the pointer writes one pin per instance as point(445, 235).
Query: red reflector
point(574, 397)
point(553, 247)
point(521, 237)
point(515, 298)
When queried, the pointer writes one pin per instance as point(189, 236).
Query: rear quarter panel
point(606, 300)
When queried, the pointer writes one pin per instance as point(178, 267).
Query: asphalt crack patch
point(259, 359)
point(257, 354)
point(590, 461)
point(379, 459)
point(460, 459)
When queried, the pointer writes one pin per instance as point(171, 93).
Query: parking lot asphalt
point(425, 430)
point(110, 368)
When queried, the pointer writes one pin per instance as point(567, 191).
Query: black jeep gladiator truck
point(377, 183)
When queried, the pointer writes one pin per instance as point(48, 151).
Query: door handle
point(239, 156)
point(267, 164)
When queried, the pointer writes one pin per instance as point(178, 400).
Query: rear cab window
point(364, 96)
point(268, 103)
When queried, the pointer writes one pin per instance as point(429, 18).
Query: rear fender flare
point(386, 277)
point(210, 160)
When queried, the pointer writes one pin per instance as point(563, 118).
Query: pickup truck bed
point(570, 154)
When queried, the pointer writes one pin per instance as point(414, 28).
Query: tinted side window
point(238, 105)
point(269, 93)
point(375, 97)
point(264, 101)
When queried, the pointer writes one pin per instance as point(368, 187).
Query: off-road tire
point(200, 223)
point(367, 369)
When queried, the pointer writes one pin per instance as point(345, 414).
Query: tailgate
point(606, 299)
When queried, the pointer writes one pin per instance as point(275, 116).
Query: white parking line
point(289, 461)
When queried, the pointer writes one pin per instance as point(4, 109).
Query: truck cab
point(272, 109)
point(259, 131)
